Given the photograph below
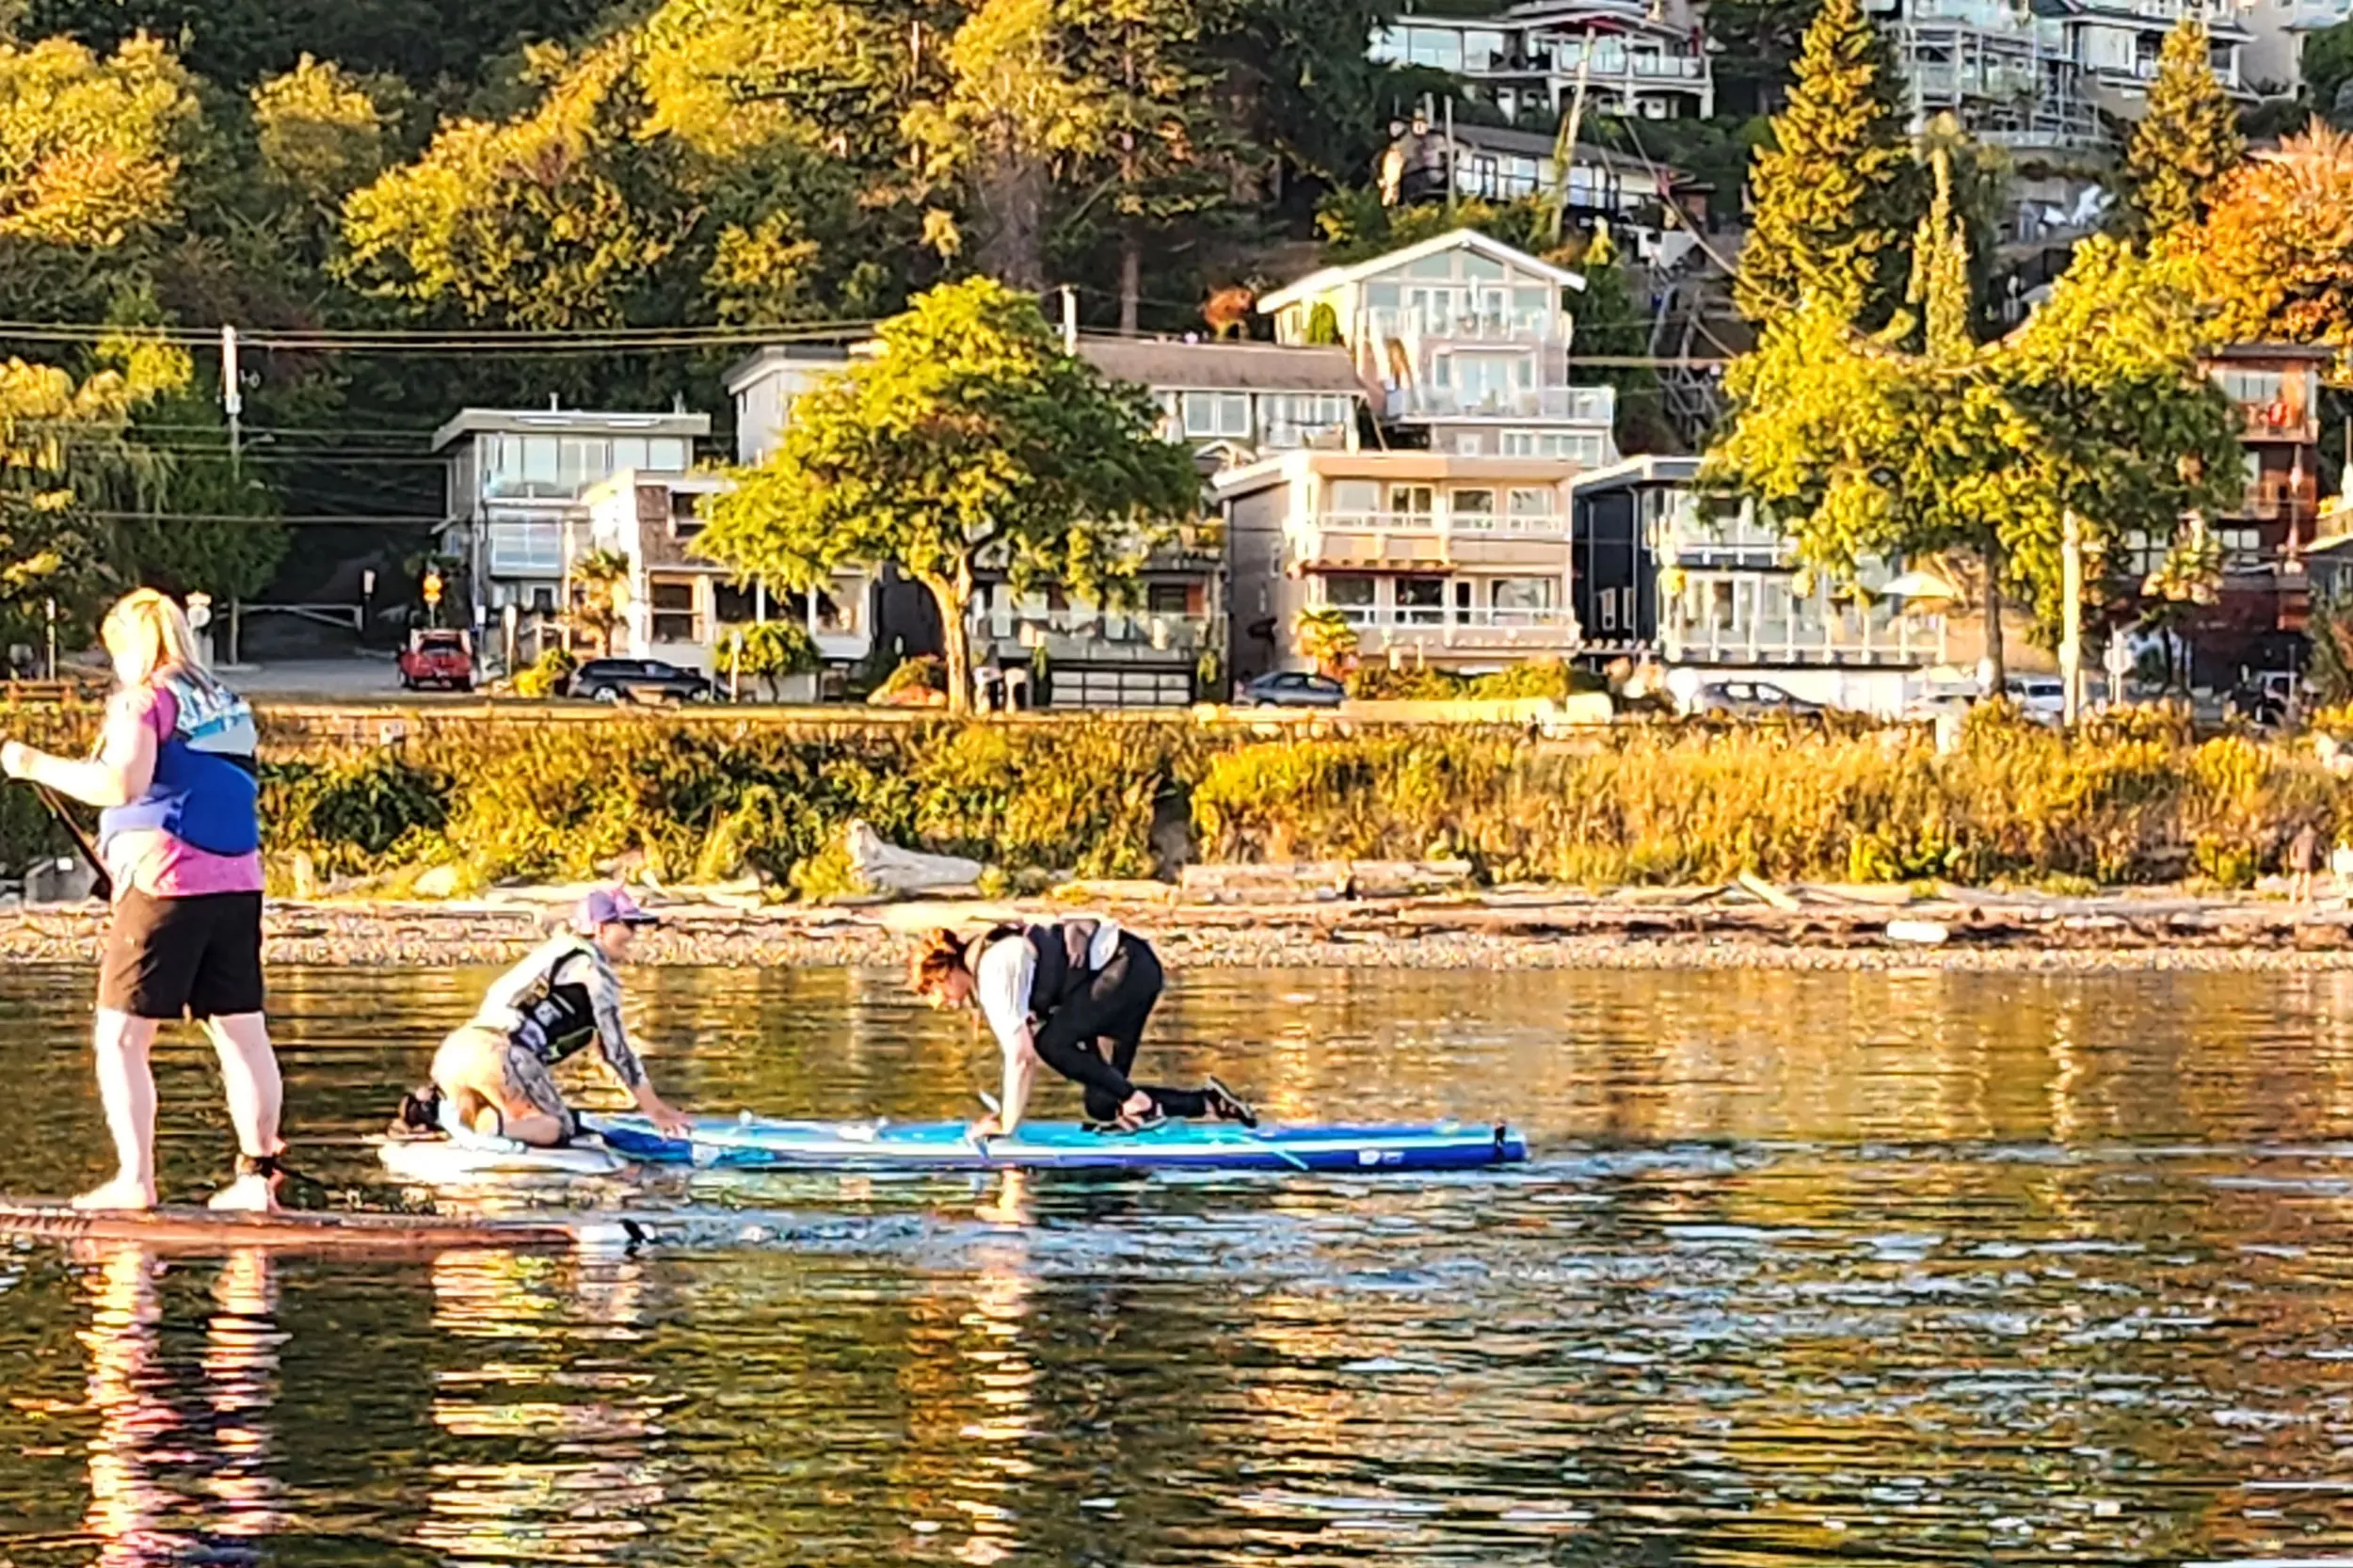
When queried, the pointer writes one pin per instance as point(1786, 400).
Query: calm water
point(1940, 1267)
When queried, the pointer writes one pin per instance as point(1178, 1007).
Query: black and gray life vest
point(1061, 949)
point(559, 1020)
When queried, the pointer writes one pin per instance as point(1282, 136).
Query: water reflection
point(1938, 1267)
point(559, 1432)
point(181, 1462)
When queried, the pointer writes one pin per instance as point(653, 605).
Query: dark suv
point(638, 680)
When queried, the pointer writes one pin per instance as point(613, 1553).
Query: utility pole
point(1565, 149)
point(1453, 159)
point(1070, 319)
point(232, 405)
point(232, 395)
point(2071, 648)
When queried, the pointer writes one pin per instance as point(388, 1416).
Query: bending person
point(180, 837)
point(1074, 995)
point(496, 1071)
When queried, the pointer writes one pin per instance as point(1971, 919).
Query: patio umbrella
point(1918, 585)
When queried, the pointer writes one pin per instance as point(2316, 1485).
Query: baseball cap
point(608, 906)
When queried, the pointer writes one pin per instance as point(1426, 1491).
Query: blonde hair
point(155, 631)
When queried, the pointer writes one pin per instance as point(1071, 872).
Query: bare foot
point(248, 1194)
point(122, 1192)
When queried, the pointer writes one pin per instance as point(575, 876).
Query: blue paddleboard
point(755, 1143)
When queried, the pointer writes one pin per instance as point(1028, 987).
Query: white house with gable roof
point(1467, 339)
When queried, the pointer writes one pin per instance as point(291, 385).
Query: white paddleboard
point(474, 1158)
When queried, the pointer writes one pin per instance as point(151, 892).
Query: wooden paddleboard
point(183, 1229)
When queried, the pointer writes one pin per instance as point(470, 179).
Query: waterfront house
point(514, 475)
point(676, 606)
point(1457, 562)
point(1466, 341)
point(1708, 587)
point(1230, 403)
point(1634, 60)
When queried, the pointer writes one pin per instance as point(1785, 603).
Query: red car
point(438, 658)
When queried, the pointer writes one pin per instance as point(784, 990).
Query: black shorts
point(197, 957)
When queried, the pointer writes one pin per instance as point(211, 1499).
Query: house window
point(1719, 605)
point(1350, 594)
point(1166, 598)
point(1421, 600)
point(734, 603)
point(670, 454)
point(1606, 604)
point(1491, 381)
point(1580, 446)
point(1217, 415)
point(1474, 508)
point(543, 599)
point(673, 605)
point(1532, 505)
point(1413, 501)
point(526, 550)
point(685, 514)
point(1352, 498)
point(1528, 594)
point(581, 461)
point(2251, 388)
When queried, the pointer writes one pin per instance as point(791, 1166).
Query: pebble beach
point(1800, 928)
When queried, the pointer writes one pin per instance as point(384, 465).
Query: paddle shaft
point(82, 840)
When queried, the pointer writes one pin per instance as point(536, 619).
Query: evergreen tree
point(1941, 289)
point(2190, 138)
point(1835, 193)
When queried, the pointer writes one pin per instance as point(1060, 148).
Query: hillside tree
point(1836, 192)
point(2188, 140)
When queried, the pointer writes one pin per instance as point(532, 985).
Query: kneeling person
point(495, 1071)
point(1074, 995)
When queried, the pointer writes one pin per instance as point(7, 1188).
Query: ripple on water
point(1950, 1268)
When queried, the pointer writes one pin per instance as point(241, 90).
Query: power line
point(324, 520)
point(438, 340)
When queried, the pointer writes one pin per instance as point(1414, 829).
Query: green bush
point(2140, 800)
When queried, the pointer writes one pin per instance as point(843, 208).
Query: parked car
point(637, 679)
point(2041, 698)
point(1293, 689)
point(1932, 705)
point(1752, 699)
point(437, 657)
point(2263, 705)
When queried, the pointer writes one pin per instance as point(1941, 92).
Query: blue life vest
point(204, 793)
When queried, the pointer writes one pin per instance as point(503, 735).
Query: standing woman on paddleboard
point(1074, 995)
point(180, 837)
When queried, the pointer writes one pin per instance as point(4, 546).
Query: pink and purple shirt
point(153, 860)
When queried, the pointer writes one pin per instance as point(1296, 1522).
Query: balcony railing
point(1482, 525)
point(2273, 423)
point(1344, 539)
point(1538, 327)
point(1608, 64)
point(1591, 406)
point(1137, 636)
point(1482, 630)
point(1804, 640)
